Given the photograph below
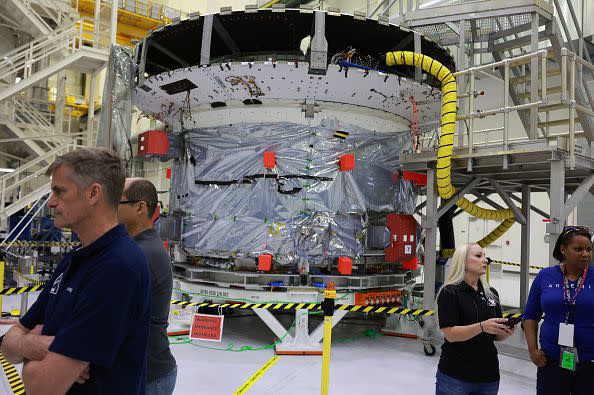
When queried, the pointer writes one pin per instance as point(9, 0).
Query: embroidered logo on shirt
point(56, 285)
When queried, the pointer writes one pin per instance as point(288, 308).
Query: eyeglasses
point(129, 201)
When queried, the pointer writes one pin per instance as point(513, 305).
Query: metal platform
point(295, 340)
point(529, 163)
point(510, 12)
point(261, 281)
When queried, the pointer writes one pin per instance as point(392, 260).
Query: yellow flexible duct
point(446, 142)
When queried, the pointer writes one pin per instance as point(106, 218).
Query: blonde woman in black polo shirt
point(470, 320)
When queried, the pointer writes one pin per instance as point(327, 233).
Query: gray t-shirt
point(160, 359)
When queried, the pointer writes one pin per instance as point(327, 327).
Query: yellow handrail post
point(328, 307)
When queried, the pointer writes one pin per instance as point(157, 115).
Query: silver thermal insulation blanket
point(115, 119)
point(305, 210)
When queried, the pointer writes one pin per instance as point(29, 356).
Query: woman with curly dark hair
point(564, 293)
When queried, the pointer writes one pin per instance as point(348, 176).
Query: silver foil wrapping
point(116, 106)
point(305, 209)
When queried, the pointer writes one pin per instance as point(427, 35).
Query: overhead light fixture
point(17, 80)
point(6, 170)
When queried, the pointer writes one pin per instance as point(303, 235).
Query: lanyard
point(570, 301)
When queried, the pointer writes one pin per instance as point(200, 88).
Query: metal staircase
point(39, 17)
point(68, 47)
point(504, 29)
point(28, 183)
point(38, 60)
point(27, 123)
point(60, 43)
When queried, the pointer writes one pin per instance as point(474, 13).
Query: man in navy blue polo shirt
point(87, 332)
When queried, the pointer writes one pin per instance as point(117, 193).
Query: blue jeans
point(446, 385)
point(164, 385)
point(554, 380)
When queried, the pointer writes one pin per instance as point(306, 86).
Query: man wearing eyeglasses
point(135, 212)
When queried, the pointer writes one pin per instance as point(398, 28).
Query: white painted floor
point(360, 363)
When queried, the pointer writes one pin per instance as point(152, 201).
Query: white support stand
point(298, 341)
point(424, 329)
point(398, 325)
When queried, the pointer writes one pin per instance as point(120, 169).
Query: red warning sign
point(207, 327)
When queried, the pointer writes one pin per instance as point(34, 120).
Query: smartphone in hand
point(511, 321)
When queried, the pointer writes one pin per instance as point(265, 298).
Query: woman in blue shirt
point(565, 295)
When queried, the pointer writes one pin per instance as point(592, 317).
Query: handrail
point(25, 56)
point(6, 57)
point(27, 4)
point(53, 11)
point(35, 162)
point(33, 113)
point(69, 38)
point(38, 125)
point(510, 61)
point(567, 100)
point(582, 81)
point(6, 189)
point(21, 115)
point(148, 9)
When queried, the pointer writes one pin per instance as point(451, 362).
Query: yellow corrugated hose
point(446, 142)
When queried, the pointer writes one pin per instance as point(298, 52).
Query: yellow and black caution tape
point(21, 290)
point(514, 264)
point(16, 384)
point(31, 280)
point(12, 313)
point(447, 253)
point(317, 306)
point(307, 306)
point(375, 309)
point(341, 134)
point(21, 243)
point(268, 306)
point(277, 306)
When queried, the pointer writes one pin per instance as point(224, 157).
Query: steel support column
point(534, 96)
point(557, 205)
point(525, 245)
point(91, 138)
point(461, 64)
point(429, 222)
point(113, 22)
point(206, 40)
point(418, 49)
point(60, 102)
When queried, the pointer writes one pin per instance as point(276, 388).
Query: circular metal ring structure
point(257, 64)
point(311, 89)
